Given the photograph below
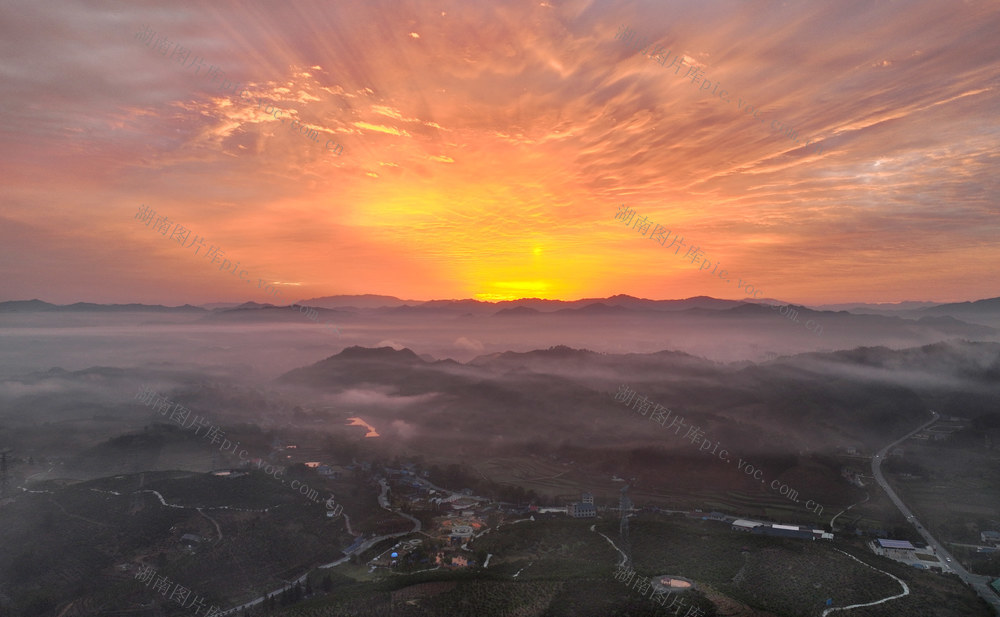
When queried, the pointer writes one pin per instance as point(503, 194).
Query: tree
point(327, 584)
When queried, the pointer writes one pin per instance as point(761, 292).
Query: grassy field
point(791, 577)
point(565, 569)
point(708, 485)
point(64, 545)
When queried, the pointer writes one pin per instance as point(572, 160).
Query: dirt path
point(172, 505)
point(906, 590)
point(867, 497)
point(82, 518)
point(738, 579)
point(612, 543)
point(214, 522)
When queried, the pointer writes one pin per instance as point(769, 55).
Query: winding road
point(362, 548)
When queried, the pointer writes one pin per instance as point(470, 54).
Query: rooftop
point(745, 523)
point(903, 544)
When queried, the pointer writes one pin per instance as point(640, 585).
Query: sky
point(485, 148)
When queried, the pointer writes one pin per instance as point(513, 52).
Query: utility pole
point(3, 471)
point(625, 508)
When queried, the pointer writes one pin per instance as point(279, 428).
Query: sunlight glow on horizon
point(487, 162)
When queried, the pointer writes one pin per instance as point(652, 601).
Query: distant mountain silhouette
point(363, 301)
point(378, 354)
point(989, 305)
point(516, 312)
point(38, 306)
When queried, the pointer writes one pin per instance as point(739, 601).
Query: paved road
point(979, 583)
point(361, 549)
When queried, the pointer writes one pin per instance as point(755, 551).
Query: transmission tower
point(3, 471)
point(625, 508)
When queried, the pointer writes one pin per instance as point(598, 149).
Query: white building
point(744, 525)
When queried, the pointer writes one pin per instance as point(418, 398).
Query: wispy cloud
point(497, 129)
